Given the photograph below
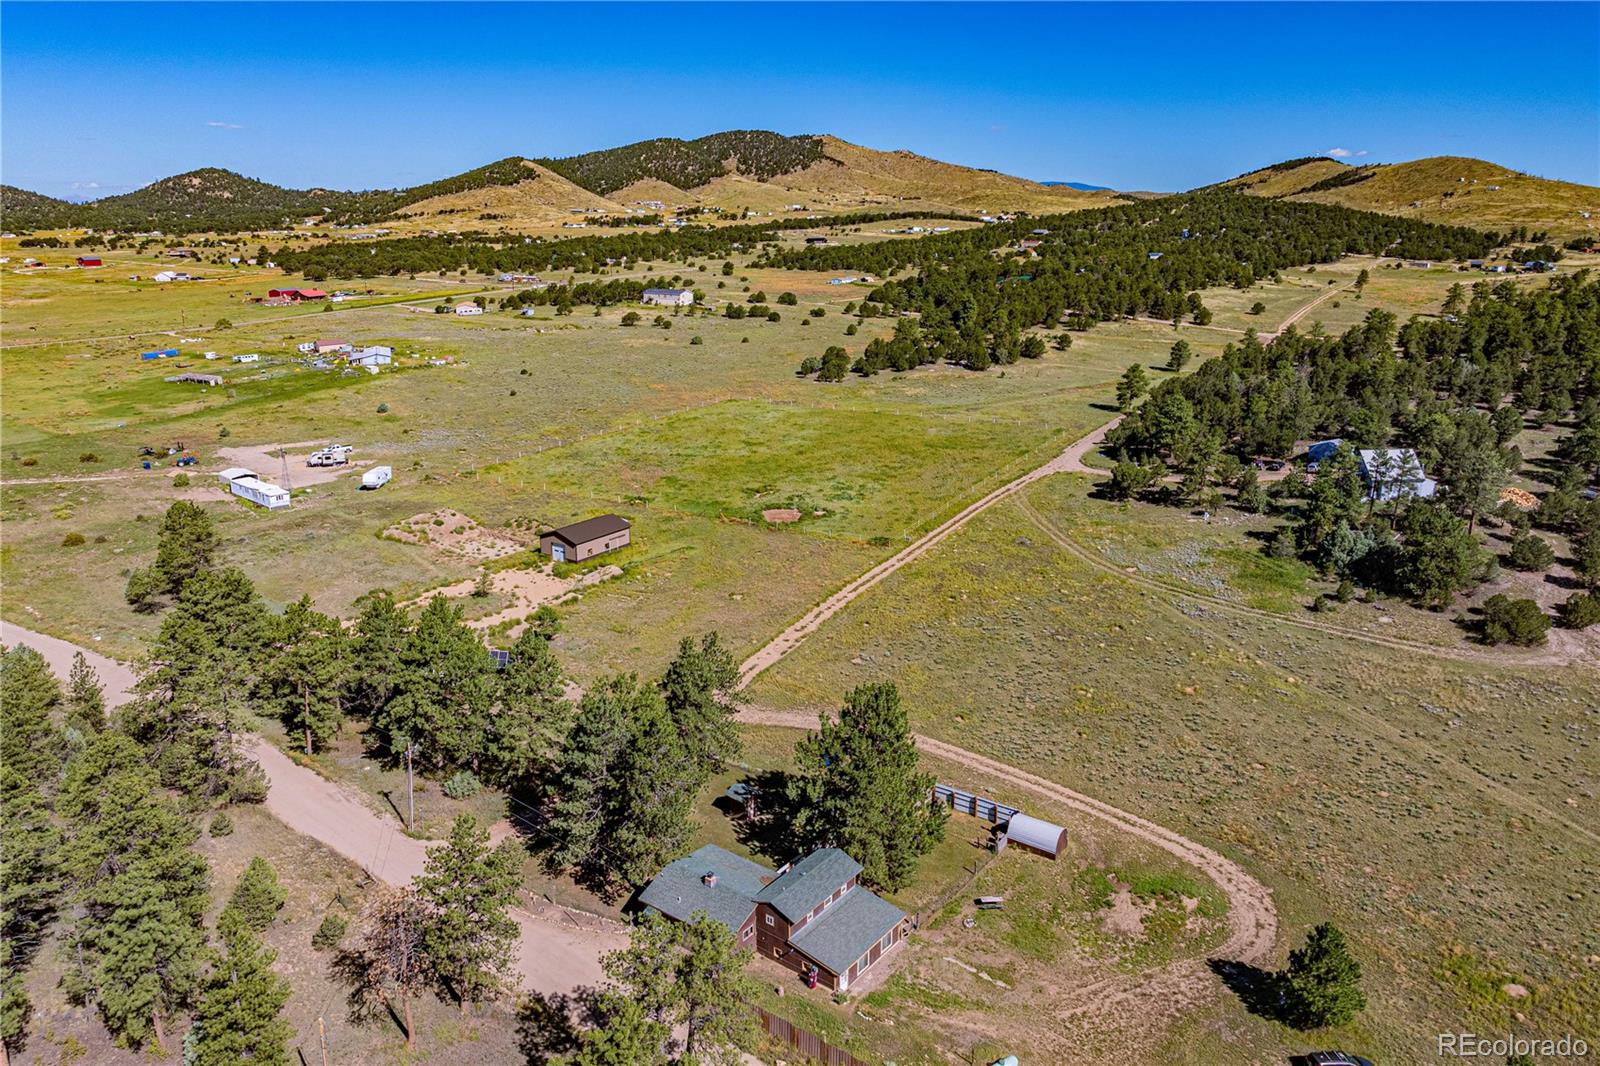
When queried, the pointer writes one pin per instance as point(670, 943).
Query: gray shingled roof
point(678, 891)
point(590, 529)
point(847, 929)
point(808, 882)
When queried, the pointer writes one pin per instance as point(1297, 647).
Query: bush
point(223, 323)
point(1581, 610)
point(631, 318)
point(850, 330)
point(72, 540)
point(1346, 591)
point(774, 317)
point(788, 299)
point(221, 825)
point(1258, 308)
point(463, 784)
point(383, 408)
point(1322, 604)
point(329, 932)
point(818, 312)
point(1509, 621)
point(180, 480)
point(31, 461)
point(696, 339)
point(258, 897)
point(88, 457)
point(1530, 552)
point(224, 433)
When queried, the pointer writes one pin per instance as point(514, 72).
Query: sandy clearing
point(265, 460)
point(529, 590)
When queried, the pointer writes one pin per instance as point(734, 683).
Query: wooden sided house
point(807, 915)
point(586, 539)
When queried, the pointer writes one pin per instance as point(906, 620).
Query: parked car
point(1336, 1058)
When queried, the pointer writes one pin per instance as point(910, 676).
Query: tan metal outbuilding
point(586, 539)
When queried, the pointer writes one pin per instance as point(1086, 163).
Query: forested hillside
point(24, 210)
point(975, 290)
point(758, 154)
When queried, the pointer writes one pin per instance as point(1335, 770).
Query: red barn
point(89, 261)
point(296, 295)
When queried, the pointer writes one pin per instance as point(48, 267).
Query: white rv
point(376, 478)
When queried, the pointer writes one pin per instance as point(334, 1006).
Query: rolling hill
point(1448, 189)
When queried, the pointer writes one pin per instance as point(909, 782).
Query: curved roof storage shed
point(1036, 834)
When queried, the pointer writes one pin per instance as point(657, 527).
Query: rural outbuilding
point(246, 485)
point(1036, 834)
point(586, 539)
point(668, 297)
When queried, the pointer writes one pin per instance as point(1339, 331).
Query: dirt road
point(790, 638)
point(554, 952)
point(116, 677)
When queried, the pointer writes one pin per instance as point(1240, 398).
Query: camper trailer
point(376, 478)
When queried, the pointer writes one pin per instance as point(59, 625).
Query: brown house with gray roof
point(807, 914)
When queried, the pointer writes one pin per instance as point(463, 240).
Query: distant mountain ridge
point(761, 171)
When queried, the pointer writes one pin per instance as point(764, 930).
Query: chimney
point(709, 879)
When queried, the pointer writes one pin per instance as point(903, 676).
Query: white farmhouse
point(468, 309)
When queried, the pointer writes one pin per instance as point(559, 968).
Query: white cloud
point(86, 185)
point(1362, 152)
point(1340, 153)
point(224, 125)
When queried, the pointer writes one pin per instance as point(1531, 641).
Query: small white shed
point(1036, 834)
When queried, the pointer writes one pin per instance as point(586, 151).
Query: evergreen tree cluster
point(974, 293)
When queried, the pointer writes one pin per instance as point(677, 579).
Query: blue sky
point(101, 98)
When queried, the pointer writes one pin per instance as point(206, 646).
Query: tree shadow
point(1110, 407)
point(768, 833)
point(549, 1025)
point(1256, 988)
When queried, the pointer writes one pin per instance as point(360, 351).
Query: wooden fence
point(805, 1041)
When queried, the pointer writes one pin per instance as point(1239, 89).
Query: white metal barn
point(1036, 834)
point(246, 485)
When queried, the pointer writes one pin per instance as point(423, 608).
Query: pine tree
point(652, 793)
point(716, 993)
point(187, 545)
point(1132, 385)
point(258, 896)
point(303, 675)
point(139, 890)
point(531, 715)
point(1322, 984)
point(445, 691)
point(468, 889)
point(31, 885)
point(379, 640)
point(700, 689)
point(857, 787)
point(29, 695)
point(625, 1036)
point(583, 775)
point(86, 702)
point(646, 971)
point(240, 1020)
point(1180, 355)
point(198, 684)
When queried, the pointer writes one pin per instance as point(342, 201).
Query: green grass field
point(1439, 811)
